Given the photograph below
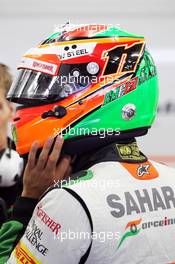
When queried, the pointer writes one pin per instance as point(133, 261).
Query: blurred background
point(24, 24)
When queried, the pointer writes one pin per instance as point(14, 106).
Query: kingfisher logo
point(134, 227)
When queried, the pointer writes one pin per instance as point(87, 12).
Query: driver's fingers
point(54, 156)
point(41, 163)
point(63, 168)
point(32, 155)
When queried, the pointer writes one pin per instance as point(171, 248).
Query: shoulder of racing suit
point(100, 163)
point(95, 187)
point(76, 178)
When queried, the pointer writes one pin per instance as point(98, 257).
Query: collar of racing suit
point(126, 151)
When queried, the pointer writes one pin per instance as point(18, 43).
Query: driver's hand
point(43, 172)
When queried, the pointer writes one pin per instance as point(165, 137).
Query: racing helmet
point(91, 83)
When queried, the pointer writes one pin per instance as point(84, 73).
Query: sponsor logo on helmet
point(75, 53)
point(75, 50)
point(148, 71)
point(37, 65)
point(120, 90)
point(65, 51)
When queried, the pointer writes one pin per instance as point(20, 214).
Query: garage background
point(25, 23)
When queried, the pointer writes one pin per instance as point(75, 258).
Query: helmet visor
point(36, 87)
